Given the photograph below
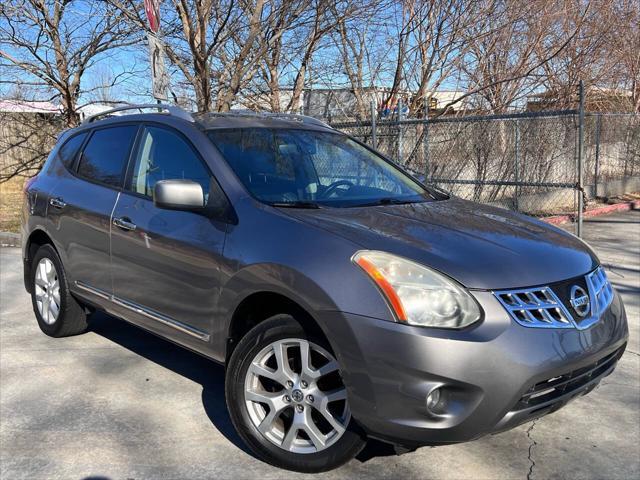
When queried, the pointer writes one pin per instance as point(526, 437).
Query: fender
point(268, 278)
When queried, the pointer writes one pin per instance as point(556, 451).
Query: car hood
point(482, 247)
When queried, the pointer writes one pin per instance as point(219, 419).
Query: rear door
point(166, 263)
point(81, 204)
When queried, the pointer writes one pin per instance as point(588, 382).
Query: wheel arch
point(37, 238)
point(262, 305)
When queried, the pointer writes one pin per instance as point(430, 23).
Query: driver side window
point(164, 155)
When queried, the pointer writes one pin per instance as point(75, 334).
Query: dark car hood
point(480, 246)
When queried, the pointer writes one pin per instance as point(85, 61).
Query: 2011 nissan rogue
point(346, 299)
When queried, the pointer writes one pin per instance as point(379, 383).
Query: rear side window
point(105, 157)
point(69, 151)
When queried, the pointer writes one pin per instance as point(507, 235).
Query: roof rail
point(275, 115)
point(308, 119)
point(172, 110)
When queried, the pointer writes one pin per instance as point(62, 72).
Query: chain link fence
point(530, 162)
point(543, 164)
point(612, 153)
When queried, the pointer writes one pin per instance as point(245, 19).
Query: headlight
point(417, 294)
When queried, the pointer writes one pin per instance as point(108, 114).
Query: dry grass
point(10, 204)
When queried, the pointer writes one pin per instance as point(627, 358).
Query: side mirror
point(178, 195)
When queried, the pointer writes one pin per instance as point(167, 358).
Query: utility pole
point(580, 157)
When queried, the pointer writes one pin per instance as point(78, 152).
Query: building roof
point(21, 106)
point(592, 90)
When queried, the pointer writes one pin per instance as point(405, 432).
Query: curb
point(8, 239)
point(596, 212)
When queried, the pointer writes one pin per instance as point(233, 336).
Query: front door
point(165, 263)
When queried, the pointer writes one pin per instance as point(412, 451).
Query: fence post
point(399, 153)
point(580, 157)
point(425, 143)
point(597, 167)
point(374, 114)
point(517, 167)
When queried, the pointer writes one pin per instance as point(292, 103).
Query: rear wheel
point(57, 312)
point(287, 400)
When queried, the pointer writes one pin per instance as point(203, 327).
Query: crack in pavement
point(612, 269)
point(531, 445)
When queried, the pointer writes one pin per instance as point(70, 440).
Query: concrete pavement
point(119, 403)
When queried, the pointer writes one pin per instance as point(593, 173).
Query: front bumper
point(494, 376)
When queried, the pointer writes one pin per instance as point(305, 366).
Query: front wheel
point(287, 400)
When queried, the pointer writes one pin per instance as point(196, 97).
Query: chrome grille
point(600, 290)
point(540, 307)
point(535, 307)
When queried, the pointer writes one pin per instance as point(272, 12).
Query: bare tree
point(217, 46)
point(294, 33)
point(352, 49)
point(317, 26)
point(625, 50)
point(51, 44)
point(238, 59)
point(358, 56)
point(48, 47)
point(586, 56)
point(292, 38)
point(437, 44)
point(518, 66)
point(276, 52)
point(502, 46)
point(194, 33)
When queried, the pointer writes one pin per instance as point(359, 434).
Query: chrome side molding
point(139, 309)
point(96, 291)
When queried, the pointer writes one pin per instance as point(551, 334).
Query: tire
point(308, 449)
point(50, 293)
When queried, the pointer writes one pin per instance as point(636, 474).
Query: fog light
point(433, 399)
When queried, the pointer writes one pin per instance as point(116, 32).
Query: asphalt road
point(119, 403)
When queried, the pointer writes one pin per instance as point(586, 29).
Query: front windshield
point(306, 168)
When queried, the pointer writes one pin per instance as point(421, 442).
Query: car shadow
point(184, 362)
point(207, 373)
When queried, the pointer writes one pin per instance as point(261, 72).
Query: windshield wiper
point(387, 201)
point(295, 204)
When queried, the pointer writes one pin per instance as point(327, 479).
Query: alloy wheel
point(47, 291)
point(295, 396)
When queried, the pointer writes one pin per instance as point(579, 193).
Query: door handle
point(57, 202)
point(124, 223)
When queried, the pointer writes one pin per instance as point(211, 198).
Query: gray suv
point(346, 299)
